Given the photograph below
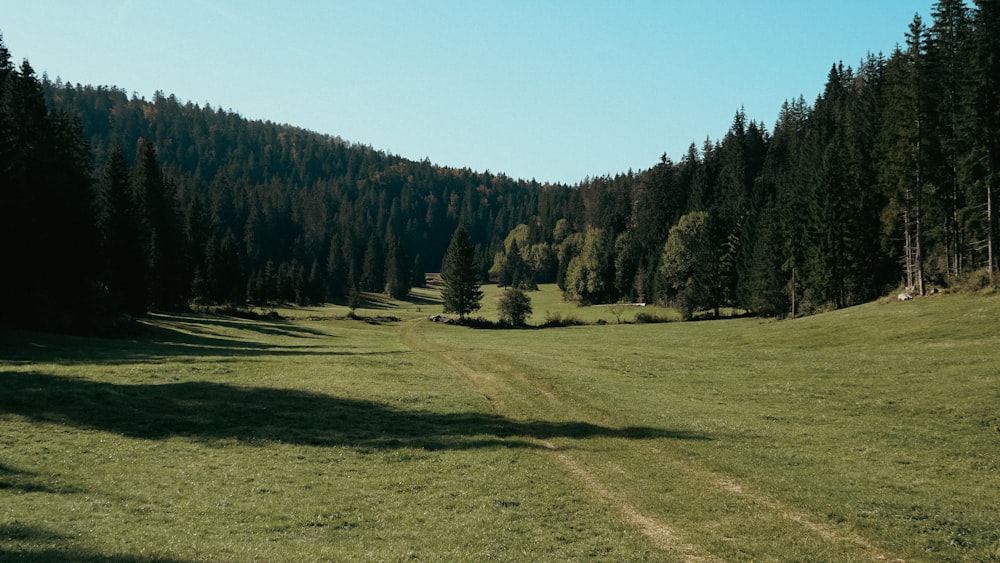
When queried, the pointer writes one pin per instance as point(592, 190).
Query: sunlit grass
point(862, 434)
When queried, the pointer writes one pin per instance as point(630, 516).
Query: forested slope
point(118, 204)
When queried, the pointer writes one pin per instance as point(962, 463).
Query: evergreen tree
point(372, 268)
point(903, 148)
point(397, 272)
point(984, 161)
point(124, 261)
point(315, 291)
point(418, 277)
point(460, 274)
point(947, 61)
point(336, 270)
point(49, 253)
point(163, 240)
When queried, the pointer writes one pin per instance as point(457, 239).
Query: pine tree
point(372, 267)
point(397, 272)
point(163, 240)
point(124, 262)
point(336, 270)
point(460, 274)
point(903, 149)
point(985, 160)
point(947, 59)
point(49, 254)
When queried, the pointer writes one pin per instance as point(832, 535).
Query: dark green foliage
point(161, 233)
point(590, 275)
point(460, 274)
point(514, 306)
point(687, 266)
point(49, 253)
point(124, 272)
point(397, 271)
point(888, 178)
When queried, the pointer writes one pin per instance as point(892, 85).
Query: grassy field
point(863, 434)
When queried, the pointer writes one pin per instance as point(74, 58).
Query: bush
point(978, 280)
point(649, 318)
point(514, 307)
point(554, 320)
point(478, 322)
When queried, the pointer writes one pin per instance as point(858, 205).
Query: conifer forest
point(112, 205)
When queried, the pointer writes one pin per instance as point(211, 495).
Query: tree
point(162, 237)
point(460, 274)
point(590, 275)
point(124, 271)
point(514, 306)
point(397, 271)
point(687, 265)
point(986, 105)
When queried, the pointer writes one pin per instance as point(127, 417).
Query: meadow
point(869, 433)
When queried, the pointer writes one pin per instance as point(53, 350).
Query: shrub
point(514, 307)
point(553, 320)
point(978, 280)
point(477, 322)
point(649, 318)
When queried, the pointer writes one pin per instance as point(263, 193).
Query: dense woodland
point(116, 205)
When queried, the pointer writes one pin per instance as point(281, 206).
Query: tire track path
point(506, 392)
point(661, 534)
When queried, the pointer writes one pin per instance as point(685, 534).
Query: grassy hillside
point(866, 433)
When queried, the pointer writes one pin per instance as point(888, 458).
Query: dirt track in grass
point(510, 391)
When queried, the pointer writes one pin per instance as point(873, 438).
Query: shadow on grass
point(73, 556)
point(21, 481)
point(176, 336)
point(14, 533)
point(213, 412)
point(265, 327)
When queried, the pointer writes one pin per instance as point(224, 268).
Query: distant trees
point(114, 204)
point(460, 274)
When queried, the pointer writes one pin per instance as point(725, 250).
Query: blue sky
point(551, 90)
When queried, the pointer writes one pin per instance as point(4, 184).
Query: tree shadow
point(207, 324)
point(14, 533)
point(175, 336)
point(213, 412)
point(74, 556)
point(423, 301)
point(22, 481)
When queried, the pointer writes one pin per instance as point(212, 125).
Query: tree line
point(885, 180)
point(117, 205)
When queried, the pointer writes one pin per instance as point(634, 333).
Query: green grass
point(868, 433)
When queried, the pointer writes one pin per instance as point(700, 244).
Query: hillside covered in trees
point(116, 204)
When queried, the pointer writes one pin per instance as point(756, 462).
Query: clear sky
point(553, 90)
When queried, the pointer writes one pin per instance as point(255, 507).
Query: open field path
point(506, 381)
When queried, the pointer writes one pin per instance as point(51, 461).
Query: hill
point(134, 205)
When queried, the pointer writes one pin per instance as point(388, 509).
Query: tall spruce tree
point(947, 60)
point(986, 105)
point(397, 270)
point(460, 274)
point(162, 236)
point(124, 270)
